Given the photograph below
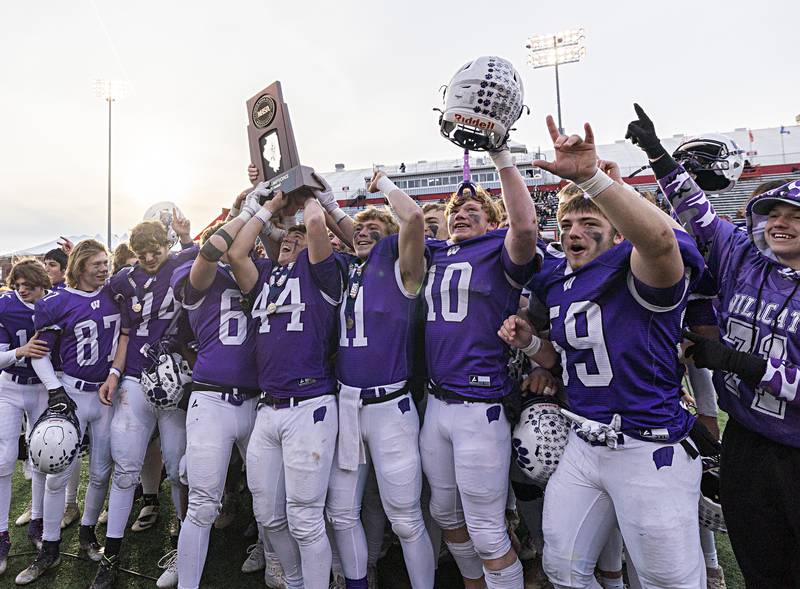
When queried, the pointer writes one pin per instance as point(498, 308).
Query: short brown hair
point(579, 205)
point(376, 214)
point(119, 259)
point(481, 197)
point(433, 206)
point(32, 270)
point(80, 254)
point(149, 235)
point(570, 191)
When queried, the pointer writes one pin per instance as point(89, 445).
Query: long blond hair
point(80, 254)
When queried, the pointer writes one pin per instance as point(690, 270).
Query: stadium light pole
point(554, 50)
point(110, 90)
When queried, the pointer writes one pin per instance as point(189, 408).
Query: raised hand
point(65, 244)
point(516, 332)
point(642, 133)
point(576, 157)
point(182, 227)
point(610, 168)
point(252, 173)
point(373, 184)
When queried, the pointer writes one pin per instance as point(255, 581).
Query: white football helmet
point(162, 211)
point(165, 381)
point(539, 438)
point(715, 161)
point(710, 510)
point(481, 102)
point(55, 441)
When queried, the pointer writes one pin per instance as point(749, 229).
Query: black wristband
point(749, 367)
point(224, 235)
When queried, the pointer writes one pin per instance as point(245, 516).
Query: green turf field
point(227, 551)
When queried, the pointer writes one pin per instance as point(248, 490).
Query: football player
point(21, 391)
point(148, 306)
point(85, 321)
point(756, 361)
point(55, 263)
point(628, 459)
point(295, 303)
point(435, 223)
point(222, 407)
point(473, 283)
point(378, 421)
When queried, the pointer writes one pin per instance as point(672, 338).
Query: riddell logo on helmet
point(473, 122)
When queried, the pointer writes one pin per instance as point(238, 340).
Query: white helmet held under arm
point(714, 159)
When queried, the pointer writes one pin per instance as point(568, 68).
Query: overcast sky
point(360, 79)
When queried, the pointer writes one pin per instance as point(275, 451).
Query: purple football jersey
point(618, 341)
point(225, 334)
point(472, 286)
point(16, 328)
point(297, 307)
point(87, 327)
point(758, 311)
point(148, 305)
point(376, 327)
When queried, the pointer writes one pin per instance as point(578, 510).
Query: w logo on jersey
point(95, 305)
point(453, 250)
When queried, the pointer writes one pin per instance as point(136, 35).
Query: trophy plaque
point(272, 147)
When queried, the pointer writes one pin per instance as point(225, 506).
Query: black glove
point(60, 401)
point(642, 133)
point(708, 353)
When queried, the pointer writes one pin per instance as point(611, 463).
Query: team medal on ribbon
point(271, 308)
point(137, 307)
point(349, 322)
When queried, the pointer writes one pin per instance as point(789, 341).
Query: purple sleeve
point(328, 275)
point(782, 380)
point(700, 311)
point(50, 336)
point(185, 293)
point(187, 254)
point(5, 336)
point(520, 274)
point(44, 316)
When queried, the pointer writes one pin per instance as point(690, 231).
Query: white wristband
point(263, 215)
point(115, 371)
point(596, 184)
point(245, 215)
point(337, 214)
point(502, 159)
point(386, 185)
point(533, 348)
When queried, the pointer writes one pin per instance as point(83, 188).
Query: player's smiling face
point(434, 223)
point(27, 292)
point(152, 259)
point(95, 272)
point(366, 235)
point(468, 220)
point(585, 236)
point(782, 233)
point(291, 246)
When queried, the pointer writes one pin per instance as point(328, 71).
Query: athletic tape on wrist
point(596, 184)
point(386, 185)
point(115, 371)
point(263, 215)
point(533, 348)
point(225, 236)
point(502, 159)
point(244, 215)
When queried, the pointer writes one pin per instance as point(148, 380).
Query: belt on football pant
point(81, 385)
point(285, 402)
point(381, 394)
point(452, 398)
point(233, 395)
point(26, 380)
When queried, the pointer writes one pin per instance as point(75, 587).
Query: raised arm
point(204, 267)
point(319, 245)
point(244, 269)
point(412, 230)
point(691, 204)
point(520, 240)
point(656, 259)
point(342, 222)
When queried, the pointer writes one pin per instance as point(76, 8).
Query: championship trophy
point(272, 148)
